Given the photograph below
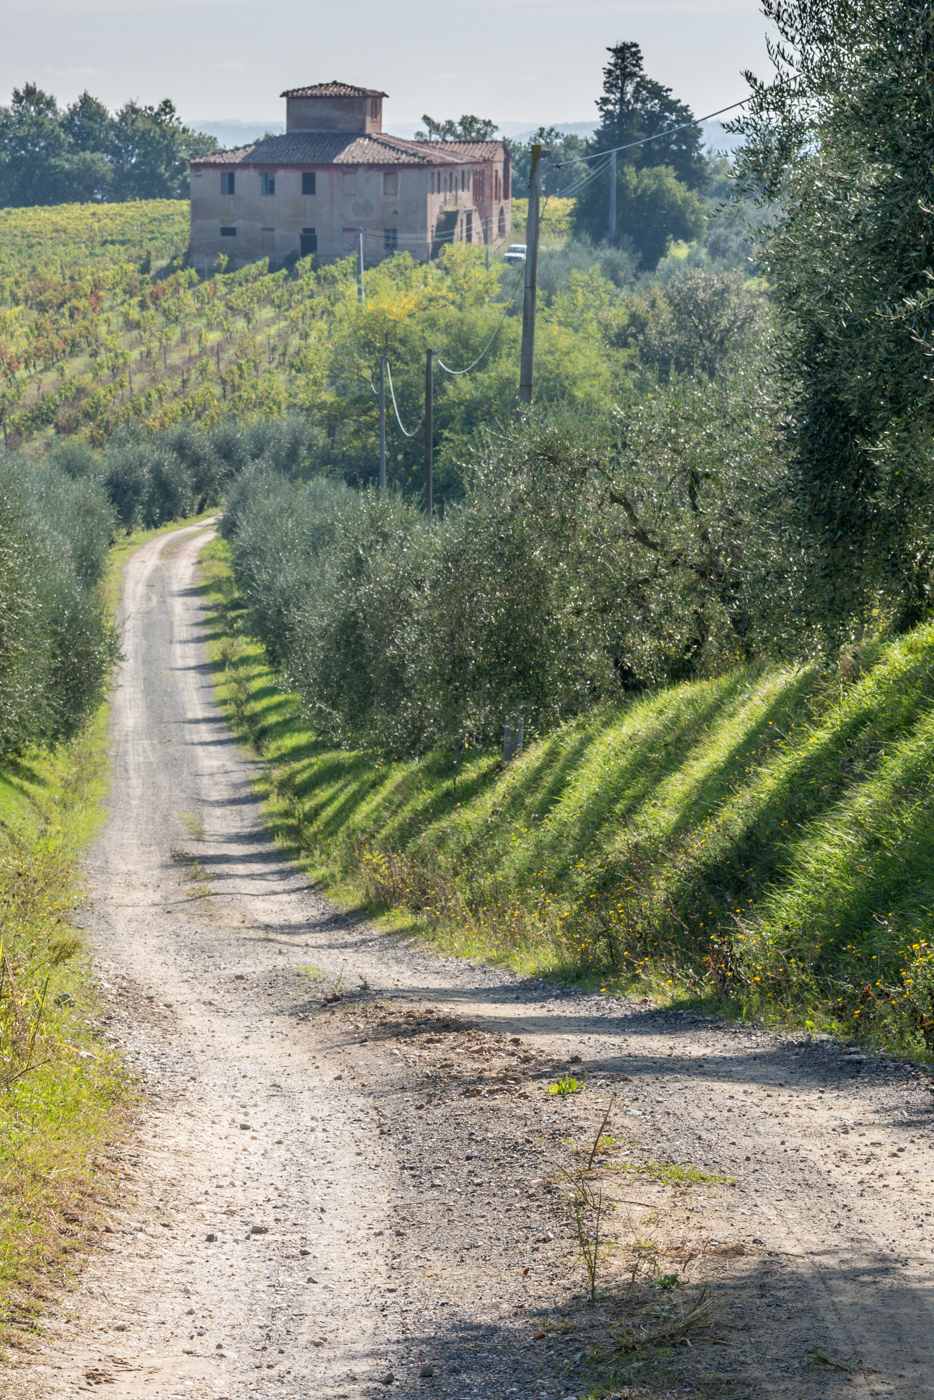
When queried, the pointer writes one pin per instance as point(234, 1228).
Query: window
point(506, 180)
point(269, 184)
point(350, 240)
point(308, 182)
point(463, 179)
point(350, 182)
point(496, 185)
point(391, 183)
point(469, 230)
point(228, 182)
point(309, 241)
point(502, 223)
point(478, 186)
point(228, 232)
point(390, 240)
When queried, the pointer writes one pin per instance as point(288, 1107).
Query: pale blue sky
point(512, 60)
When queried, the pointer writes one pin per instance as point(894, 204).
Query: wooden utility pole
point(429, 432)
point(360, 293)
point(527, 373)
point(611, 225)
point(382, 425)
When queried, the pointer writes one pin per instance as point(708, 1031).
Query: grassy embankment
point(64, 1097)
point(762, 842)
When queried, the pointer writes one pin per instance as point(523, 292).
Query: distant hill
point(232, 133)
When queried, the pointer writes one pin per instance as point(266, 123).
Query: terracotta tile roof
point(334, 89)
point(468, 150)
point(347, 148)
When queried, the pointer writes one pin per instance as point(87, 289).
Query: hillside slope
point(762, 840)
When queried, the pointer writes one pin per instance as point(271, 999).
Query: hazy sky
point(512, 60)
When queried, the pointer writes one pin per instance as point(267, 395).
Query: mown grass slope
point(761, 841)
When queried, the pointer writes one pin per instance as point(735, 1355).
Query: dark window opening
point(308, 182)
point(309, 241)
point(228, 232)
point(390, 240)
point(228, 183)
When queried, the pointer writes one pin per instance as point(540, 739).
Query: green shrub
point(588, 556)
point(57, 643)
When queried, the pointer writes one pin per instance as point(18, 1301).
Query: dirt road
point(348, 1176)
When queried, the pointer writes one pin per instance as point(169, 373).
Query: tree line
point(57, 641)
point(58, 519)
point(663, 186)
point(84, 153)
point(81, 153)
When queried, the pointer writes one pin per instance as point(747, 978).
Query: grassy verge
point(64, 1098)
point(762, 843)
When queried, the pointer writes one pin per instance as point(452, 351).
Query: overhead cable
point(669, 131)
point(395, 406)
point(486, 347)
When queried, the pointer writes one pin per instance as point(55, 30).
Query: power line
point(669, 131)
point(396, 407)
point(486, 347)
point(592, 174)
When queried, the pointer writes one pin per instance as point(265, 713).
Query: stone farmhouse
point(334, 172)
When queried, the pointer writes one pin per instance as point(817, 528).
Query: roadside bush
point(151, 480)
point(56, 642)
point(588, 556)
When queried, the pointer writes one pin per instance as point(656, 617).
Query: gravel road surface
point(349, 1178)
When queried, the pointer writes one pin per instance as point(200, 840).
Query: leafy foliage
point(563, 147)
point(761, 841)
point(657, 183)
point(839, 144)
point(81, 154)
point(120, 349)
point(693, 324)
point(467, 128)
point(586, 556)
point(56, 641)
point(633, 106)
